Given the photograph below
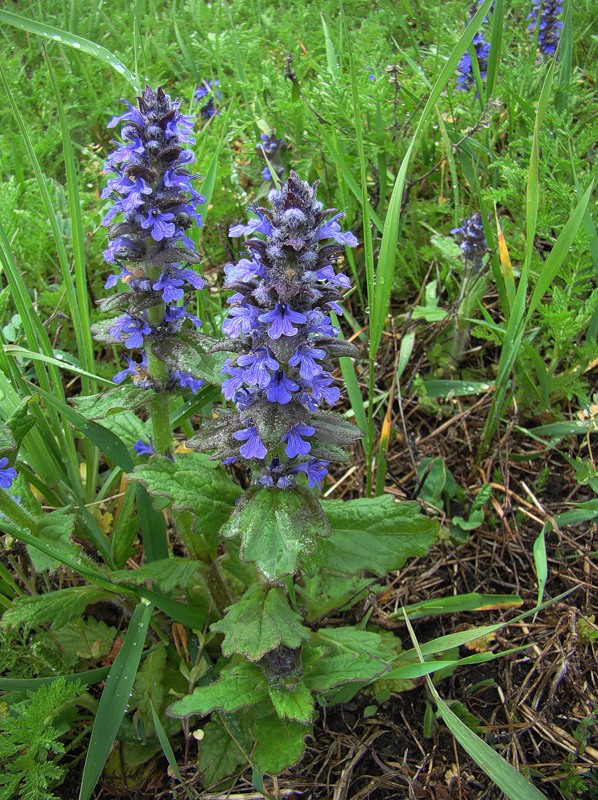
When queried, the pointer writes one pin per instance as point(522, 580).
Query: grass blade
point(167, 749)
point(71, 40)
point(115, 697)
point(506, 777)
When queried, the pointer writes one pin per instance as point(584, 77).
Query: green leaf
point(90, 638)
point(19, 424)
point(167, 749)
point(115, 697)
point(55, 529)
point(125, 528)
point(105, 439)
point(354, 656)
point(149, 687)
point(279, 745)
point(293, 702)
point(219, 754)
point(190, 483)
point(86, 678)
point(58, 607)
point(239, 685)
point(376, 534)
point(122, 398)
point(189, 353)
point(166, 574)
point(461, 602)
point(325, 592)
point(276, 527)
point(258, 622)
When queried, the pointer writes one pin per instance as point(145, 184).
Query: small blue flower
point(240, 320)
point(258, 225)
point(259, 365)
point(130, 330)
point(281, 320)
point(305, 358)
point(243, 272)
point(332, 230)
point(253, 447)
point(143, 449)
point(281, 388)
point(296, 446)
point(7, 474)
point(315, 470)
point(137, 370)
point(206, 89)
point(187, 381)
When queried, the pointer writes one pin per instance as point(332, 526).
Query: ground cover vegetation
point(298, 404)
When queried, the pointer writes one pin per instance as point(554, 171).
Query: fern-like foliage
point(30, 734)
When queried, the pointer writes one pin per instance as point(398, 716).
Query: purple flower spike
point(7, 474)
point(283, 339)
point(153, 205)
point(296, 446)
point(253, 447)
point(465, 72)
point(472, 239)
point(550, 25)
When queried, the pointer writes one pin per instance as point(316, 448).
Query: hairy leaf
point(149, 687)
point(293, 702)
point(276, 526)
point(376, 534)
point(59, 607)
point(258, 622)
point(122, 398)
point(239, 685)
point(279, 744)
point(166, 574)
point(54, 529)
point(190, 483)
point(219, 754)
point(354, 656)
point(189, 353)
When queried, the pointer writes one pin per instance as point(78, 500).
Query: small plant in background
point(206, 94)
point(270, 149)
point(545, 18)
point(466, 78)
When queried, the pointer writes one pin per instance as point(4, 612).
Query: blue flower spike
point(279, 327)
